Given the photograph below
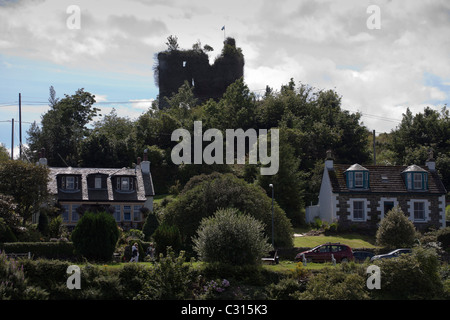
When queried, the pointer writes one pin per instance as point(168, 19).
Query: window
point(419, 210)
point(70, 183)
point(137, 213)
point(117, 213)
point(127, 213)
point(125, 184)
point(358, 210)
point(65, 212)
point(417, 181)
point(75, 215)
point(98, 182)
point(359, 179)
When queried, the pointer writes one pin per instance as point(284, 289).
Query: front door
point(388, 206)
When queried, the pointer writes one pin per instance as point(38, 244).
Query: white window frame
point(419, 208)
point(357, 180)
point(418, 181)
point(365, 208)
point(117, 213)
point(411, 210)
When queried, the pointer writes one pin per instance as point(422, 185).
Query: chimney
point(329, 160)
point(431, 163)
point(145, 165)
point(42, 158)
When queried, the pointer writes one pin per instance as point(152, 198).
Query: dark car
point(392, 254)
point(324, 253)
point(361, 256)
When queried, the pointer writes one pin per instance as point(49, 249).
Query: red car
point(323, 252)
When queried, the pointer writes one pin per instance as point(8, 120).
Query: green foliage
point(170, 279)
point(49, 250)
point(443, 236)
point(150, 225)
point(63, 127)
point(343, 282)
point(95, 236)
point(23, 182)
point(14, 284)
point(167, 236)
point(205, 195)
point(6, 235)
point(231, 237)
point(414, 276)
point(396, 230)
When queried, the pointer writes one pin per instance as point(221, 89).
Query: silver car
point(392, 254)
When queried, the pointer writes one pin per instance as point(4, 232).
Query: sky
point(380, 56)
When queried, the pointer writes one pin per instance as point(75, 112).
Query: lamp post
point(271, 186)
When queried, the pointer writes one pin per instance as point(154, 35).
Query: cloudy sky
point(380, 56)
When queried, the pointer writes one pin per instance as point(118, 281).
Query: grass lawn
point(351, 239)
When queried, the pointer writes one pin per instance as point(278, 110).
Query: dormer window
point(70, 183)
point(124, 184)
point(415, 178)
point(357, 177)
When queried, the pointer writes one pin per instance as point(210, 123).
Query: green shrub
point(344, 282)
point(150, 225)
point(6, 234)
point(231, 237)
point(396, 230)
point(414, 276)
point(167, 236)
point(170, 279)
point(443, 236)
point(49, 250)
point(14, 284)
point(95, 236)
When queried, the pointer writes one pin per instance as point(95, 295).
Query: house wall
point(327, 210)
point(434, 213)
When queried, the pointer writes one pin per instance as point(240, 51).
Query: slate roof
point(384, 179)
point(144, 185)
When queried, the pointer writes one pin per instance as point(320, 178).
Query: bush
point(95, 236)
point(344, 282)
point(443, 236)
point(414, 276)
point(14, 284)
point(6, 235)
point(150, 225)
point(167, 236)
point(231, 237)
point(49, 250)
point(170, 279)
point(396, 230)
point(204, 195)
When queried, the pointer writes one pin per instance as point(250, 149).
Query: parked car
point(392, 254)
point(323, 252)
point(360, 256)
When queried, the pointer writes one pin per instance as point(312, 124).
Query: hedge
point(49, 250)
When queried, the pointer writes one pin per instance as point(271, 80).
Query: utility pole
point(20, 126)
point(12, 139)
point(374, 150)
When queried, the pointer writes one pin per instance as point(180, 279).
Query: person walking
point(134, 253)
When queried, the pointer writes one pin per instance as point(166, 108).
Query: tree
point(4, 154)
point(63, 127)
point(27, 184)
point(203, 195)
point(172, 43)
point(231, 237)
point(95, 236)
point(396, 230)
point(150, 225)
